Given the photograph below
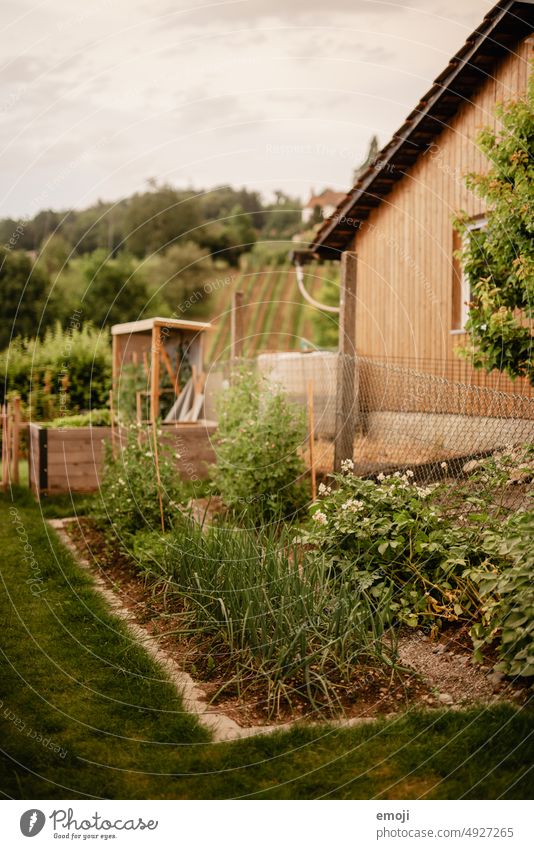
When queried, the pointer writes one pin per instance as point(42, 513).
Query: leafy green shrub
point(24, 290)
point(392, 530)
point(508, 597)
point(129, 489)
point(69, 368)
point(273, 614)
point(95, 418)
point(259, 470)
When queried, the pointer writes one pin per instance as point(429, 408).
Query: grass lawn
point(85, 713)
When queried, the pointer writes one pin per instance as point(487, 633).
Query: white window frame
point(465, 285)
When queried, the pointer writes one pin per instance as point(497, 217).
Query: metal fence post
point(346, 387)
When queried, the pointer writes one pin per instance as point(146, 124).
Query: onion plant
point(274, 613)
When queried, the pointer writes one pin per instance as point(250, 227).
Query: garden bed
point(432, 673)
point(286, 609)
point(71, 459)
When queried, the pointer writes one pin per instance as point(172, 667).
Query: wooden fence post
point(5, 452)
point(346, 395)
point(237, 326)
point(112, 420)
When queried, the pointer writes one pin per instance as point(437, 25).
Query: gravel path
point(450, 673)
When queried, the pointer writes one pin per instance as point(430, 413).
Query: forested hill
point(143, 255)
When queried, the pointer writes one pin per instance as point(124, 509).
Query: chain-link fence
point(403, 416)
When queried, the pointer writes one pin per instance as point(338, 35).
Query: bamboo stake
point(16, 439)
point(312, 439)
point(158, 477)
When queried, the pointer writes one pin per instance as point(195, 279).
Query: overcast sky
point(97, 98)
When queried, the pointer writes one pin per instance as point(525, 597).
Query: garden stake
point(312, 439)
point(158, 478)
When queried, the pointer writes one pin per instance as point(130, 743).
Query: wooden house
point(398, 218)
point(325, 203)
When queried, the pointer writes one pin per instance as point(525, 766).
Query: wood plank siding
point(407, 280)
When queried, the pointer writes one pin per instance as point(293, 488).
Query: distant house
point(411, 294)
point(325, 204)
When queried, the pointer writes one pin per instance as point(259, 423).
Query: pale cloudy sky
point(96, 98)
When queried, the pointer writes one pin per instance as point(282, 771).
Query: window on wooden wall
point(461, 288)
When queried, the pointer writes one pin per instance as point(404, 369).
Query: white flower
point(409, 473)
point(148, 453)
point(347, 465)
point(444, 465)
point(353, 504)
point(320, 518)
point(322, 489)
point(381, 477)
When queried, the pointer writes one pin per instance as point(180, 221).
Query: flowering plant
point(129, 489)
point(393, 534)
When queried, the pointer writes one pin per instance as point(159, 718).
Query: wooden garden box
point(66, 459)
point(63, 460)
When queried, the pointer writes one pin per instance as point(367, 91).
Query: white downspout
point(300, 281)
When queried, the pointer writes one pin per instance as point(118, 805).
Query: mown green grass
point(71, 673)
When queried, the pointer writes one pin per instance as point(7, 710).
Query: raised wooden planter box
point(64, 460)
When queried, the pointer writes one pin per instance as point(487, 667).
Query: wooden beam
point(346, 388)
point(237, 326)
point(154, 373)
point(115, 363)
point(175, 379)
point(16, 439)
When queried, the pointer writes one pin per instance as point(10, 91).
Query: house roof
point(145, 325)
point(505, 24)
point(327, 198)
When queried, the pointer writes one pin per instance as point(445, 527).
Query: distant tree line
point(139, 256)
